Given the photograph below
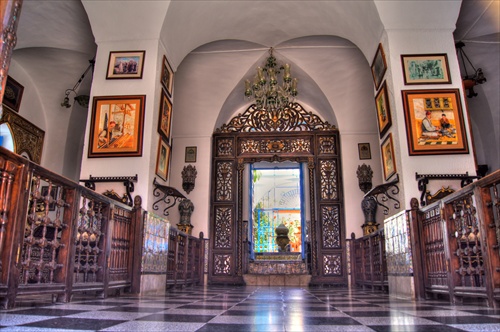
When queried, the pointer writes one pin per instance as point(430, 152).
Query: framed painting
point(379, 66)
point(425, 69)
point(163, 159)
point(364, 151)
point(125, 64)
point(167, 76)
point(13, 94)
point(388, 159)
point(384, 117)
point(434, 122)
point(190, 155)
point(165, 116)
point(116, 128)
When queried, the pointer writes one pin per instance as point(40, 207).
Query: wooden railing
point(58, 238)
point(186, 253)
point(459, 242)
point(368, 261)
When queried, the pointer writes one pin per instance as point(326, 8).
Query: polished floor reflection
point(235, 309)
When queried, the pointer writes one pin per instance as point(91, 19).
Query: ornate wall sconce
point(365, 175)
point(188, 178)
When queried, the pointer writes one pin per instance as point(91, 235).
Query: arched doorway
point(277, 136)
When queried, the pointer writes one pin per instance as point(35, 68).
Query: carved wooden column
point(10, 11)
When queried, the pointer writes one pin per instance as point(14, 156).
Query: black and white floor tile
point(240, 309)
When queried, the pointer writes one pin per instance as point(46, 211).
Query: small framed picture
point(383, 110)
point(190, 156)
point(379, 66)
point(364, 151)
point(425, 69)
point(388, 159)
point(116, 128)
point(434, 122)
point(165, 116)
point(163, 159)
point(125, 64)
point(13, 94)
point(167, 76)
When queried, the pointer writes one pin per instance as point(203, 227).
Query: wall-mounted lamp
point(82, 100)
point(474, 79)
point(188, 178)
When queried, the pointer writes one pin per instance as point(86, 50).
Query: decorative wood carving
point(28, 138)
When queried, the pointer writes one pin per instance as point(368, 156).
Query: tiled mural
point(155, 244)
point(398, 245)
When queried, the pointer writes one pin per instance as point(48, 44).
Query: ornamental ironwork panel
point(328, 179)
point(222, 264)
point(224, 181)
point(330, 227)
point(223, 222)
point(225, 147)
point(292, 118)
point(285, 145)
point(327, 145)
point(332, 265)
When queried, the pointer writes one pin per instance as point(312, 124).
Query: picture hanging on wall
point(190, 154)
point(379, 66)
point(163, 159)
point(364, 151)
point(167, 76)
point(165, 116)
point(383, 110)
point(13, 94)
point(116, 128)
point(388, 159)
point(434, 122)
point(125, 64)
point(425, 69)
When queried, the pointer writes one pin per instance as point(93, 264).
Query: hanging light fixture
point(477, 77)
point(273, 87)
point(82, 100)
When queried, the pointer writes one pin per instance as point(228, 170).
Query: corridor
point(238, 309)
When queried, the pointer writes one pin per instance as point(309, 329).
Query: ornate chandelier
point(271, 90)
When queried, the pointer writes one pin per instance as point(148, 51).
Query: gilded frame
point(388, 157)
point(116, 128)
point(384, 117)
point(165, 116)
point(379, 66)
point(125, 65)
point(163, 159)
point(167, 76)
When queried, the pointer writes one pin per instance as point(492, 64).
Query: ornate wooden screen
point(289, 135)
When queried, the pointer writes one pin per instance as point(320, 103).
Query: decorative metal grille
point(293, 118)
point(222, 264)
point(327, 145)
point(332, 265)
point(330, 226)
point(328, 179)
point(224, 177)
point(223, 234)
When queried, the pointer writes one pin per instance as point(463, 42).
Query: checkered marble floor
point(238, 309)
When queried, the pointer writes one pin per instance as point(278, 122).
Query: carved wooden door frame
point(290, 135)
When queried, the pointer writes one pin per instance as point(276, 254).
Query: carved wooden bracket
point(128, 182)
point(423, 180)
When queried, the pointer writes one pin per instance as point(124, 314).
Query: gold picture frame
point(165, 116)
point(125, 65)
point(388, 158)
point(167, 76)
point(384, 117)
point(425, 69)
point(434, 122)
point(379, 66)
point(116, 128)
point(163, 159)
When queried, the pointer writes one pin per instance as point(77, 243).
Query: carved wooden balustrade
point(459, 242)
point(368, 260)
point(58, 238)
point(186, 259)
